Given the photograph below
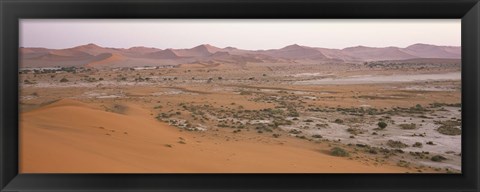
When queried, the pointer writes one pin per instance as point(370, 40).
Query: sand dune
point(108, 58)
point(139, 50)
point(431, 51)
point(198, 51)
point(72, 136)
point(296, 52)
point(373, 53)
point(142, 56)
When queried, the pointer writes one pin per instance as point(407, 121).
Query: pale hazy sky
point(244, 34)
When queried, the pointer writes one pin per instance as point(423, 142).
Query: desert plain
point(298, 109)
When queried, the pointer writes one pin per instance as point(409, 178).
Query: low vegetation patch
point(382, 125)
point(408, 126)
point(295, 131)
point(403, 163)
point(449, 130)
point(417, 144)
point(438, 158)
point(339, 152)
point(449, 127)
point(355, 131)
point(63, 80)
point(339, 121)
point(430, 143)
point(396, 144)
point(26, 81)
point(449, 123)
point(421, 155)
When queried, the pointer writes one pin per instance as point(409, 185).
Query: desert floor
point(251, 119)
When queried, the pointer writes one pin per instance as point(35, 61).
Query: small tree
point(382, 125)
point(418, 107)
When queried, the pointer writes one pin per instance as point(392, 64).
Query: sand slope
point(108, 58)
point(69, 136)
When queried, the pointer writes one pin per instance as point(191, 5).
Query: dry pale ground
point(81, 138)
point(110, 125)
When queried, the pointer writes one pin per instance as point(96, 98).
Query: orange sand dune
point(113, 57)
point(73, 137)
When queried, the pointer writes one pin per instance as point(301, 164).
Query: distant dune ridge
point(92, 55)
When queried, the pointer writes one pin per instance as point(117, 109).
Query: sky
point(250, 34)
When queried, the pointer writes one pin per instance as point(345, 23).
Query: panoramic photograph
point(240, 96)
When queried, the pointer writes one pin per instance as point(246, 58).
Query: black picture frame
point(13, 10)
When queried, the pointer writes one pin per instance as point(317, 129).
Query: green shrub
point(417, 144)
point(301, 137)
point(403, 163)
point(355, 131)
point(63, 80)
point(408, 126)
point(295, 131)
point(438, 158)
point(339, 152)
point(382, 125)
point(396, 144)
point(449, 123)
point(449, 130)
point(418, 107)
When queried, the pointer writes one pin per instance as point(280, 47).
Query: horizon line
point(205, 44)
